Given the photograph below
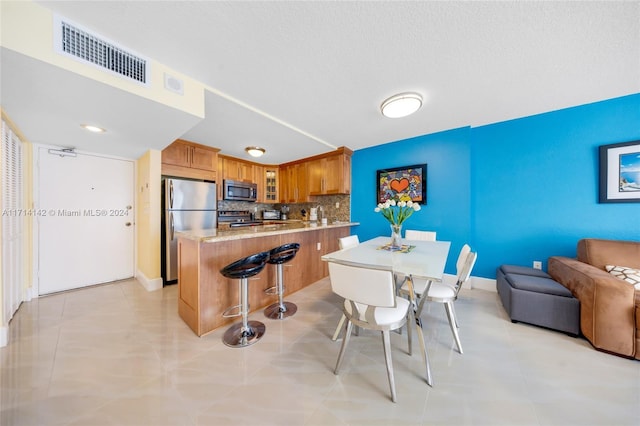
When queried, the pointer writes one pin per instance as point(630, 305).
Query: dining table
point(414, 259)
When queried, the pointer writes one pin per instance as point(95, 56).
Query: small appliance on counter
point(284, 211)
point(271, 215)
point(313, 214)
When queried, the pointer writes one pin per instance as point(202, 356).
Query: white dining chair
point(443, 292)
point(370, 302)
point(343, 243)
point(413, 234)
point(349, 241)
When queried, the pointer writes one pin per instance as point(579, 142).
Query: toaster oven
point(271, 215)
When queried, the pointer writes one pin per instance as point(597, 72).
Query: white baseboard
point(480, 283)
point(30, 293)
point(150, 284)
point(474, 283)
point(4, 336)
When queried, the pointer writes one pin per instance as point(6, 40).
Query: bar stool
point(247, 332)
point(278, 256)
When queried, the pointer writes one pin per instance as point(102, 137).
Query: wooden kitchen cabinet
point(286, 185)
point(323, 174)
point(204, 158)
point(258, 173)
point(330, 244)
point(331, 173)
point(306, 266)
point(235, 169)
point(191, 160)
point(267, 180)
point(294, 183)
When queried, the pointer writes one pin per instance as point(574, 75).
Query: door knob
point(128, 224)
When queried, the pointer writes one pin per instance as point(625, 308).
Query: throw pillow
point(630, 275)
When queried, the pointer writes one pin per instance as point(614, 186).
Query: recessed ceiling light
point(94, 129)
point(255, 151)
point(401, 105)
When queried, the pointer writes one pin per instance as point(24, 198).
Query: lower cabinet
point(204, 294)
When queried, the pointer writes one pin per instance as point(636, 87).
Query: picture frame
point(407, 183)
point(620, 173)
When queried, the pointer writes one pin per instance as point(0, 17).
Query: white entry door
point(85, 220)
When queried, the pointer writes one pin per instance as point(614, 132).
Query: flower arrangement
point(397, 213)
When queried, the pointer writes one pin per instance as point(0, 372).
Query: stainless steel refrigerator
point(188, 205)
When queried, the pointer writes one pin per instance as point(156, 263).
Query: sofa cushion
point(599, 253)
point(537, 285)
point(626, 274)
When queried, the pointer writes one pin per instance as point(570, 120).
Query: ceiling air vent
point(72, 40)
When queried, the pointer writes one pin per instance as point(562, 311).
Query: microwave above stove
point(234, 190)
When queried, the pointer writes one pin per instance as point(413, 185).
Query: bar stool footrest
point(272, 290)
point(227, 312)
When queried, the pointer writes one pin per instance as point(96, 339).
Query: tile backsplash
point(325, 203)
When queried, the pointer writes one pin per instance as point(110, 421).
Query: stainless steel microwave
point(234, 190)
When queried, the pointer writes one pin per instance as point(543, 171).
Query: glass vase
point(396, 237)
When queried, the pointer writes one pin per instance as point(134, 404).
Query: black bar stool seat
point(246, 332)
point(279, 256)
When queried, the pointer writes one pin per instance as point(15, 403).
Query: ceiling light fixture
point(94, 129)
point(255, 151)
point(401, 105)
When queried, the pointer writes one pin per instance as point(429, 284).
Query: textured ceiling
point(299, 78)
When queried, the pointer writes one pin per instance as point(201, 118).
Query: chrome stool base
point(246, 332)
point(239, 336)
point(277, 311)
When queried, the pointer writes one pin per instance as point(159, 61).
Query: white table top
point(427, 260)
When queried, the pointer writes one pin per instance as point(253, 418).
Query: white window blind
point(13, 216)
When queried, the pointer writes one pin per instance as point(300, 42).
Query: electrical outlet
point(319, 246)
point(337, 204)
point(537, 264)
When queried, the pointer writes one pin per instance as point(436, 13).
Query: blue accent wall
point(447, 212)
point(516, 191)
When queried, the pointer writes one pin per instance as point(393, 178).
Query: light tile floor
point(118, 355)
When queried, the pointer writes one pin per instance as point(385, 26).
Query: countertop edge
point(207, 236)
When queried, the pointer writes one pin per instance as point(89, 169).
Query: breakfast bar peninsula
point(204, 293)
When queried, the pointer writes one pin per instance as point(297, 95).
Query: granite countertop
point(286, 227)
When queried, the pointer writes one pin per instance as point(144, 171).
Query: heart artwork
point(399, 185)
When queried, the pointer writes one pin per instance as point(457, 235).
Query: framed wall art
point(402, 184)
point(620, 173)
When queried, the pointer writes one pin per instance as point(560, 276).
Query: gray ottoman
point(530, 295)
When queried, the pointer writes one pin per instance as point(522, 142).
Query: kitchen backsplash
point(325, 203)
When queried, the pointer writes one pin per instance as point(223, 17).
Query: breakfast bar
point(204, 293)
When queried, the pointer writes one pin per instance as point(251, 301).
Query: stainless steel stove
point(226, 216)
point(236, 218)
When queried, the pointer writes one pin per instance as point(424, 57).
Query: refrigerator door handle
point(171, 224)
point(171, 197)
